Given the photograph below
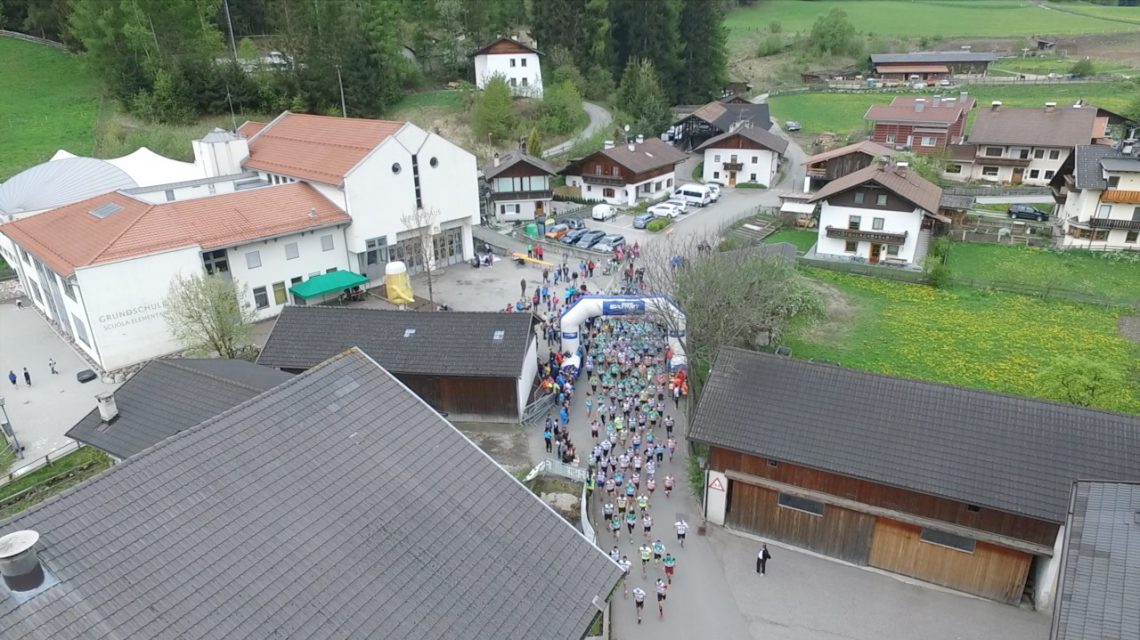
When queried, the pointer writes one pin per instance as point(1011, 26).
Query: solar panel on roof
point(104, 210)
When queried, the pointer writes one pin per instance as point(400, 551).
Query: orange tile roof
point(249, 128)
point(319, 148)
point(71, 237)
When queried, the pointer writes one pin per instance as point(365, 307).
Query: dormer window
point(1113, 182)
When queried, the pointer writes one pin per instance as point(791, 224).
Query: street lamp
point(9, 432)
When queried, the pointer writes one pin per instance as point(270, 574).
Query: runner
point(682, 528)
point(639, 601)
point(645, 552)
point(658, 550)
point(625, 565)
point(615, 554)
point(647, 524)
point(670, 566)
point(668, 485)
point(630, 523)
point(615, 527)
point(661, 589)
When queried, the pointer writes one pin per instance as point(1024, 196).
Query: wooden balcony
point(881, 237)
point(607, 181)
point(504, 196)
point(1111, 223)
point(733, 166)
point(1002, 162)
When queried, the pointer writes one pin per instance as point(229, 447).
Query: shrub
point(1083, 68)
point(770, 46)
point(657, 224)
point(699, 172)
point(750, 185)
point(938, 275)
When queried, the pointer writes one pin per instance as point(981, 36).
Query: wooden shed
point(472, 366)
point(958, 487)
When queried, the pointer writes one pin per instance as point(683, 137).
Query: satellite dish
point(627, 128)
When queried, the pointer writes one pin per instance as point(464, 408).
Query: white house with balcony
point(744, 154)
point(1023, 146)
point(1101, 207)
point(516, 62)
point(884, 213)
point(520, 186)
point(623, 174)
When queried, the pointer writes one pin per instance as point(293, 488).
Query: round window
point(395, 167)
point(434, 162)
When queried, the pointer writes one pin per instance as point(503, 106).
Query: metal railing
point(551, 466)
point(39, 463)
point(537, 409)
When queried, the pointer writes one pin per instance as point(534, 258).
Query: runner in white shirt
point(682, 528)
point(639, 601)
point(661, 589)
point(625, 565)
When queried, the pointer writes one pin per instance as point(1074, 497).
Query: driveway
point(599, 118)
point(42, 413)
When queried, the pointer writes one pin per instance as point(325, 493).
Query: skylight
point(104, 210)
point(499, 335)
point(409, 333)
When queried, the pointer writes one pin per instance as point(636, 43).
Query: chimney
point(937, 101)
point(497, 159)
point(962, 96)
point(108, 410)
point(631, 147)
point(919, 105)
point(900, 168)
point(19, 564)
point(995, 105)
point(1128, 146)
point(1050, 107)
point(640, 138)
point(608, 144)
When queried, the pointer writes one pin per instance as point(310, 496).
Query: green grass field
point(1044, 65)
point(1073, 270)
point(963, 336)
point(843, 112)
point(918, 18)
point(444, 99)
point(45, 482)
point(50, 103)
point(802, 238)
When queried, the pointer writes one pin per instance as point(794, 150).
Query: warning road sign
point(716, 484)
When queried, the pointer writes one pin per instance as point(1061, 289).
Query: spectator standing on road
point(27, 377)
point(12, 377)
point(51, 366)
point(762, 559)
point(522, 282)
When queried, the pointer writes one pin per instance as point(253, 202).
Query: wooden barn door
point(989, 571)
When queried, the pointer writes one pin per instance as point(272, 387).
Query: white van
point(696, 194)
point(603, 212)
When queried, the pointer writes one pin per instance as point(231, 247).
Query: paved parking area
point(42, 413)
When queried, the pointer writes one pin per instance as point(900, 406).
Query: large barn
point(958, 487)
point(472, 366)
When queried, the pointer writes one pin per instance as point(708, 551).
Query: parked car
point(945, 82)
point(715, 188)
point(680, 204)
point(664, 210)
point(574, 223)
point(572, 236)
point(791, 125)
point(696, 194)
point(557, 231)
point(610, 242)
point(603, 212)
point(642, 220)
point(590, 238)
point(1027, 212)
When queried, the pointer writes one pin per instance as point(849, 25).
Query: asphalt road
point(599, 118)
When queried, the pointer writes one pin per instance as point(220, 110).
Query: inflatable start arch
point(588, 307)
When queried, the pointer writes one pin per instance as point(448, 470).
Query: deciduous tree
point(1079, 380)
point(833, 34)
point(208, 314)
point(493, 116)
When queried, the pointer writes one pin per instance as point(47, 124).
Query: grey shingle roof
point(1009, 453)
point(1061, 127)
point(1086, 166)
point(1099, 593)
point(168, 396)
point(445, 343)
point(933, 57)
point(510, 159)
point(336, 505)
point(755, 134)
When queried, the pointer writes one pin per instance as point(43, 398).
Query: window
point(851, 246)
point(1104, 211)
point(291, 251)
point(928, 141)
point(434, 162)
point(1049, 174)
point(524, 82)
point(1136, 214)
point(80, 330)
point(755, 159)
point(1023, 154)
point(892, 249)
point(1054, 154)
point(607, 193)
point(514, 82)
point(396, 167)
point(330, 270)
point(67, 288)
point(990, 171)
point(973, 508)
point(522, 62)
point(512, 62)
point(881, 199)
point(890, 138)
point(669, 182)
point(1130, 237)
point(170, 195)
point(376, 250)
point(716, 175)
point(215, 262)
point(943, 539)
point(279, 296)
point(993, 152)
point(953, 168)
point(36, 291)
point(752, 177)
point(1038, 153)
point(260, 298)
point(24, 256)
point(510, 208)
point(1033, 173)
point(1113, 182)
point(877, 224)
point(253, 259)
point(854, 221)
point(295, 281)
point(716, 158)
point(327, 242)
point(732, 158)
point(800, 504)
point(858, 197)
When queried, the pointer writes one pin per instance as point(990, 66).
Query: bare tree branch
point(207, 314)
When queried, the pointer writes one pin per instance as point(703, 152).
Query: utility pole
point(230, 27)
point(343, 108)
point(10, 431)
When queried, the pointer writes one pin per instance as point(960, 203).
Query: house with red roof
point(916, 124)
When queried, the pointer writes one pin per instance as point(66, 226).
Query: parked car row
point(575, 233)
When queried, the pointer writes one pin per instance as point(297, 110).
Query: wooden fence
point(27, 38)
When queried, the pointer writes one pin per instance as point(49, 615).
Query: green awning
point(334, 282)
